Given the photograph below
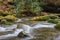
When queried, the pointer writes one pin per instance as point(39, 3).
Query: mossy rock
point(41, 18)
point(44, 18)
point(2, 14)
point(8, 20)
point(11, 18)
point(1, 17)
point(21, 34)
point(57, 26)
point(53, 21)
point(53, 17)
point(3, 21)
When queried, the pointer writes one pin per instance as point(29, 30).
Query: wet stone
point(22, 35)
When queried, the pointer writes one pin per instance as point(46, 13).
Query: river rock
point(21, 34)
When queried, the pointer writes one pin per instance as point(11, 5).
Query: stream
point(33, 30)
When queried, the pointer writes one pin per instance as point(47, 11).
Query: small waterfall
point(11, 35)
point(27, 29)
point(12, 29)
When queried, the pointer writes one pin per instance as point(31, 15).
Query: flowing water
point(35, 30)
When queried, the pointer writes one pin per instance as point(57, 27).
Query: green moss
point(53, 21)
point(3, 21)
point(45, 18)
point(57, 26)
point(42, 18)
point(11, 18)
point(3, 14)
point(53, 16)
point(8, 20)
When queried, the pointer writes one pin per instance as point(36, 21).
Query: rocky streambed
point(33, 30)
point(38, 31)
